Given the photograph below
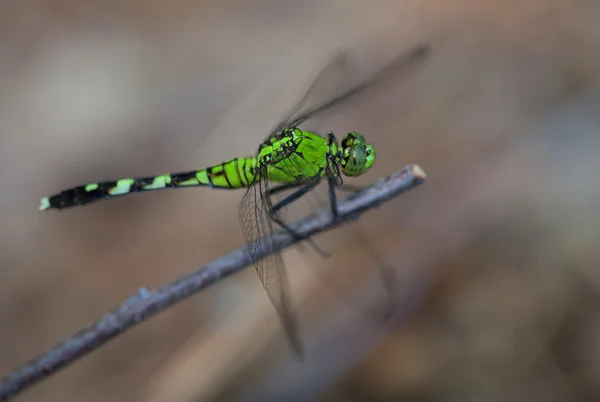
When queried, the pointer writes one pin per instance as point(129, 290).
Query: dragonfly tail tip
point(44, 203)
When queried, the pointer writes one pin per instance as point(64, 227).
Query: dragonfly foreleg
point(333, 185)
point(332, 197)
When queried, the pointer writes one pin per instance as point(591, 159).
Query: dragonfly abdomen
point(235, 173)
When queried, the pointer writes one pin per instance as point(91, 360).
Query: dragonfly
point(290, 159)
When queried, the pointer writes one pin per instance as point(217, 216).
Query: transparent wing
point(257, 226)
point(330, 70)
point(385, 274)
point(402, 64)
point(256, 223)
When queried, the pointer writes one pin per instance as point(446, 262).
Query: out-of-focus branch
point(147, 303)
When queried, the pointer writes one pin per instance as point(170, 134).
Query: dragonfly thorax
point(357, 155)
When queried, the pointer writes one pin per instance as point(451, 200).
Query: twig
point(147, 303)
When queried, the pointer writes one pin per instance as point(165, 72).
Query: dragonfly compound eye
point(353, 138)
point(357, 159)
point(358, 156)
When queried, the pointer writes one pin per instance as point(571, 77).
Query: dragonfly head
point(357, 155)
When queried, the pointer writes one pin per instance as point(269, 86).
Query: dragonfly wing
point(386, 274)
point(402, 64)
point(324, 75)
point(257, 226)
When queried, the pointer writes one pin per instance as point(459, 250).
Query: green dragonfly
point(290, 159)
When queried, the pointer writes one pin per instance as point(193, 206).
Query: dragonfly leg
point(287, 201)
point(292, 197)
point(333, 185)
point(283, 187)
point(332, 196)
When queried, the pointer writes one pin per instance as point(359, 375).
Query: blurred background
point(495, 257)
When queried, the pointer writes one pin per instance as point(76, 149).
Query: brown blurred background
point(495, 256)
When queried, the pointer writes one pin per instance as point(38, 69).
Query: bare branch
point(147, 303)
